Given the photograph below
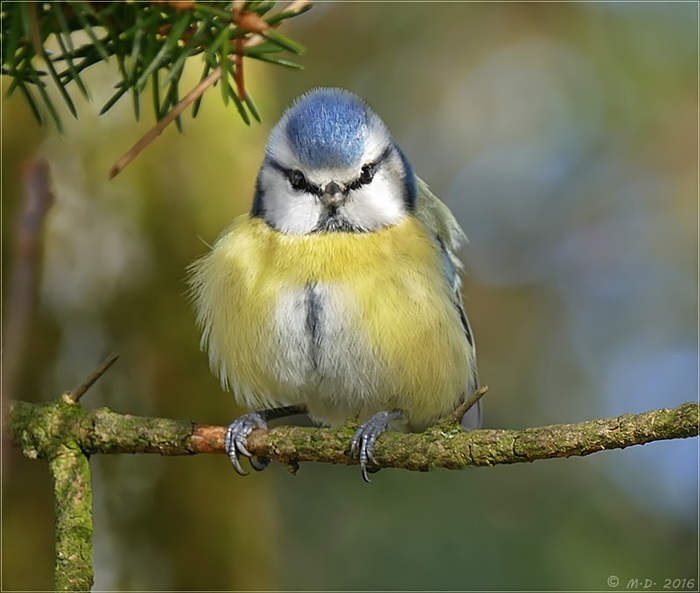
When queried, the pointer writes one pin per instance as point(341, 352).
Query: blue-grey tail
point(472, 418)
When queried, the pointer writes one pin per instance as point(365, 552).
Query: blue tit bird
point(338, 295)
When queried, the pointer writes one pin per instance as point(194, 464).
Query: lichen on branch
point(39, 428)
point(65, 434)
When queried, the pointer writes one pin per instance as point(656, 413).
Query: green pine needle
point(239, 104)
point(252, 107)
point(150, 42)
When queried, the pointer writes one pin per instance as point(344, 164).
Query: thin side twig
point(75, 395)
point(169, 117)
point(469, 403)
point(187, 100)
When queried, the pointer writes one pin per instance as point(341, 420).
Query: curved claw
point(236, 437)
point(365, 437)
point(259, 463)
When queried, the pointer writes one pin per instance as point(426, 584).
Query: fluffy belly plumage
point(324, 358)
point(375, 331)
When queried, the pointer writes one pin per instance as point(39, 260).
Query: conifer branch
point(150, 42)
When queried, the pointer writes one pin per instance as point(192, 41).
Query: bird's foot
point(236, 439)
point(365, 437)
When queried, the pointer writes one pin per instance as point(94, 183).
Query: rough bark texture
point(65, 434)
point(72, 489)
point(39, 429)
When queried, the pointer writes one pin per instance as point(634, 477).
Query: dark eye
point(298, 181)
point(366, 173)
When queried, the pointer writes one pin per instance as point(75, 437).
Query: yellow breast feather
point(346, 323)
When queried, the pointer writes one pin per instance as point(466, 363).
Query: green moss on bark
point(70, 471)
point(65, 434)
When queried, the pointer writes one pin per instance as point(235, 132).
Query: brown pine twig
point(191, 97)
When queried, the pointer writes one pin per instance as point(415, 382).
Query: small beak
point(333, 195)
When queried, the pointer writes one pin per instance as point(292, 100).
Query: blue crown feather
point(329, 128)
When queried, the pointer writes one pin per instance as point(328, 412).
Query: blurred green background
point(564, 137)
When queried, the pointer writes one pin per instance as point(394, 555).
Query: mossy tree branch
point(66, 434)
point(37, 427)
point(72, 490)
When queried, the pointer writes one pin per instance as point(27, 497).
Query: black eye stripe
point(369, 170)
point(308, 187)
point(364, 178)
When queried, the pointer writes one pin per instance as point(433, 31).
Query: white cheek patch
point(376, 205)
point(370, 207)
point(287, 210)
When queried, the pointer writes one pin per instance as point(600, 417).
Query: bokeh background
point(564, 137)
